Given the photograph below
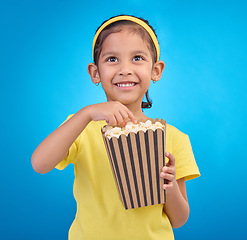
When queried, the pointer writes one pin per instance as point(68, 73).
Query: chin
point(127, 102)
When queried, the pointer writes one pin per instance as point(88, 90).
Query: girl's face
point(125, 67)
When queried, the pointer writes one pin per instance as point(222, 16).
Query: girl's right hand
point(113, 112)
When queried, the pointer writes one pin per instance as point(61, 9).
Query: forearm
point(176, 206)
point(55, 147)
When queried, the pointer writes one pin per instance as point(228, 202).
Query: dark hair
point(134, 27)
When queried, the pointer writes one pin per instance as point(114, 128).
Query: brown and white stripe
point(136, 161)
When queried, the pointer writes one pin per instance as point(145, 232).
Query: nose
point(125, 68)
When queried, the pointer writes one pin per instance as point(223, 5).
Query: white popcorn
point(135, 130)
point(110, 131)
point(158, 125)
point(128, 127)
point(116, 130)
point(142, 128)
point(147, 124)
point(153, 127)
point(106, 128)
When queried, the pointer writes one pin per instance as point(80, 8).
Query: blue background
point(45, 47)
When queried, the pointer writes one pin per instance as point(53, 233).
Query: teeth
point(125, 84)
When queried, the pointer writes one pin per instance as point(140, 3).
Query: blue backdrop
point(45, 47)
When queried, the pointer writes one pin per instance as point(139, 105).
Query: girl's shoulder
point(176, 138)
point(173, 131)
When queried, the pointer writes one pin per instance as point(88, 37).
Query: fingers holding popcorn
point(113, 112)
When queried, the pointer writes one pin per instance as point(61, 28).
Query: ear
point(157, 70)
point(93, 72)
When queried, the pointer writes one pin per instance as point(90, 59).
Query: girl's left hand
point(169, 172)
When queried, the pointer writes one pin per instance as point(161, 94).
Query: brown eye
point(137, 58)
point(111, 59)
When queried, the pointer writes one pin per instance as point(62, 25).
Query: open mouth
point(126, 84)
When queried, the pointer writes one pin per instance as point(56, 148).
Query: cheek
point(104, 73)
point(148, 84)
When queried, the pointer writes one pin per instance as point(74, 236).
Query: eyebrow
point(109, 54)
point(137, 52)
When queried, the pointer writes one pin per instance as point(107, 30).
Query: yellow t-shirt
point(100, 212)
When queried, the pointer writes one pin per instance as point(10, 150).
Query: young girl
point(126, 59)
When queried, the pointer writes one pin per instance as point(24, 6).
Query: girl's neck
point(137, 111)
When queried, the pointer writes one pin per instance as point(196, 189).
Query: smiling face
point(125, 67)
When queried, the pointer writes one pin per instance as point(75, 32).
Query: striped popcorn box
point(136, 160)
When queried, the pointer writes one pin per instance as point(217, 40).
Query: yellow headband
point(135, 20)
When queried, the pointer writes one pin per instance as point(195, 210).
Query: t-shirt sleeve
point(186, 166)
point(72, 155)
